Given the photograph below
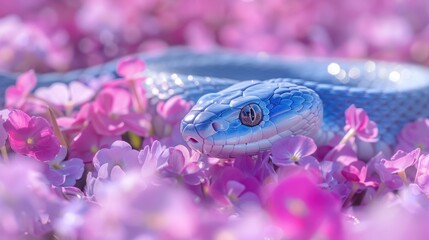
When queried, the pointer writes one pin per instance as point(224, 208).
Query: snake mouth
point(192, 140)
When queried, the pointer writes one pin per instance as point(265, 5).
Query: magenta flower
point(31, 136)
point(356, 172)
point(303, 210)
point(181, 164)
point(414, 135)
point(358, 123)
point(111, 114)
point(88, 142)
point(17, 95)
point(231, 187)
point(293, 149)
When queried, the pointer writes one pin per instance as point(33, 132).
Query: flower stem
point(4, 154)
point(351, 133)
point(136, 96)
point(403, 176)
point(355, 187)
point(57, 130)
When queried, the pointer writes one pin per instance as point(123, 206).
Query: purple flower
point(414, 135)
point(256, 166)
point(27, 204)
point(111, 164)
point(120, 154)
point(31, 136)
point(231, 187)
point(391, 180)
point(303, 210)
point(141, 211)
point(358, 123)
point(151, 157)
point(182, 165)
point(62, 172)
point(294, 149)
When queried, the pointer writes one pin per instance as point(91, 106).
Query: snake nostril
point(193, 140)
point(216, 126)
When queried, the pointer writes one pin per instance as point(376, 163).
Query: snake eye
point(251, 115)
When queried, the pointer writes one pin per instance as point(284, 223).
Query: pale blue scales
point(292, 102)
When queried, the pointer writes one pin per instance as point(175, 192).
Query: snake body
point(245, 102)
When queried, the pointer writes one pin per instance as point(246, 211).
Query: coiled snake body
point(246, 102)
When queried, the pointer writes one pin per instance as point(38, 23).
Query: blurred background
point(58, 35)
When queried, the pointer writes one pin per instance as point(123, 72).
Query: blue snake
point(245, 102)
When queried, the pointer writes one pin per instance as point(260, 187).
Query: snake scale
point(244, 102)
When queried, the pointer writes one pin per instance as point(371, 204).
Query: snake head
point(248, 117)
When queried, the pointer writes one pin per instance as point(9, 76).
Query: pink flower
point(17, 95)
point(358, 123)
point(303, 210)
point(294, 149)
point(31, 136)
point(130, 67)
point(88, 142)
point(414, 135)
point(111, 114)
point(402, 160)
point(173, 110)
point(132, 71)
point(66, 96)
